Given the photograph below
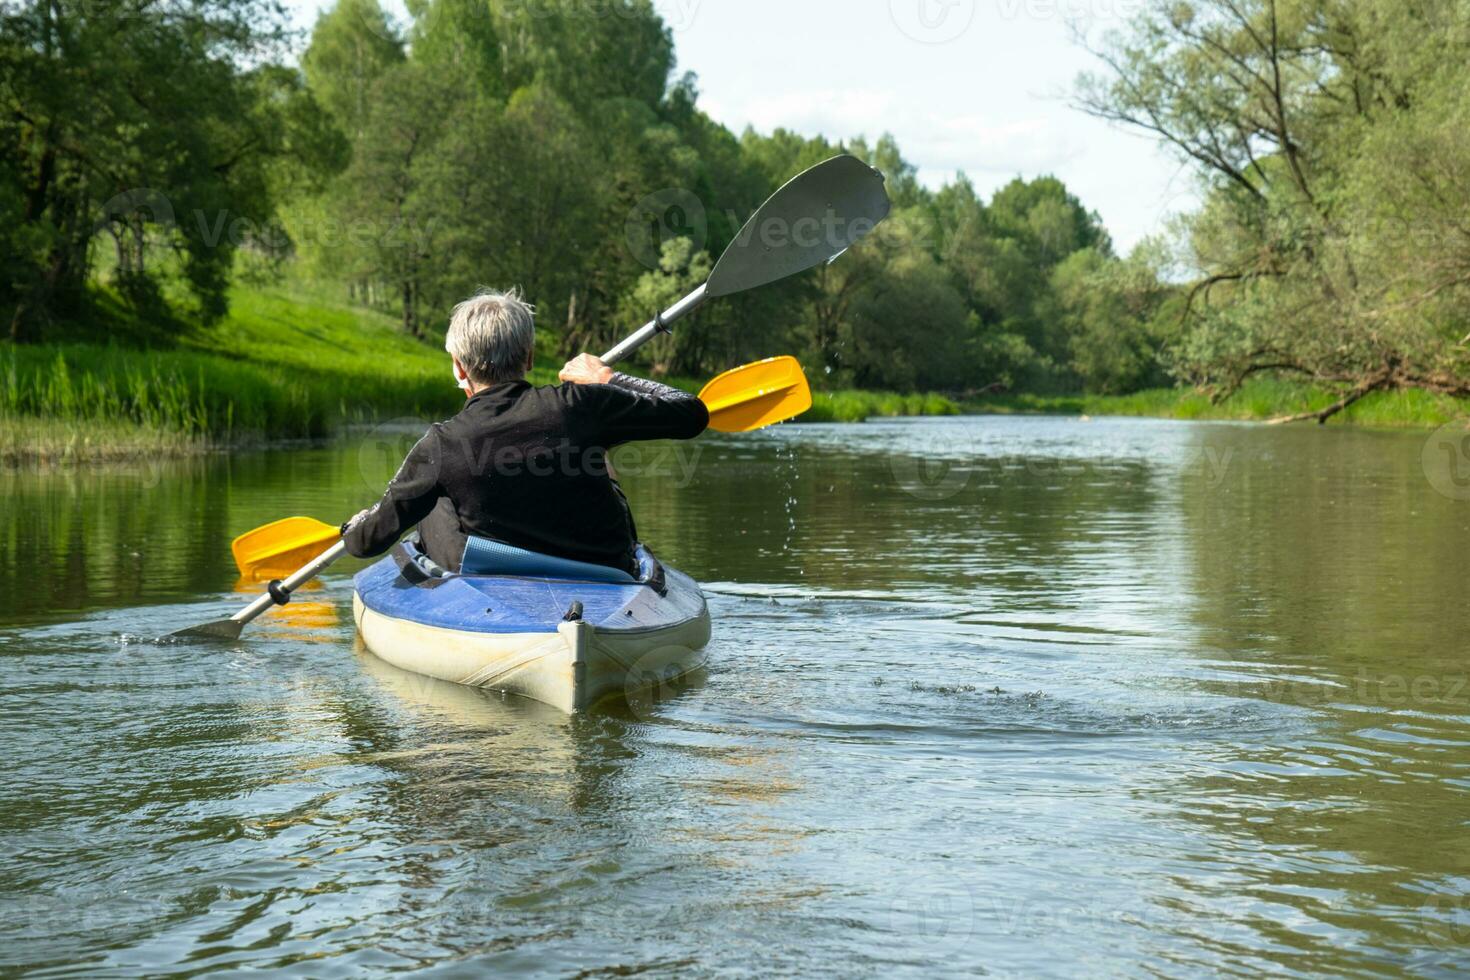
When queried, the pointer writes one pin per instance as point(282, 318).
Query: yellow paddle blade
point(757, 395)
point(279, 548)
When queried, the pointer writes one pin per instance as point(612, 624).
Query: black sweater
point(527, 467)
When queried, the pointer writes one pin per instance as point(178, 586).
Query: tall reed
point(204, 395)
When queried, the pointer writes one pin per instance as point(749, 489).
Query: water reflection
point(1324, 574)
point(1026, 696)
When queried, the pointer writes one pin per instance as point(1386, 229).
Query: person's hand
point(584, 369)
point(354, 520)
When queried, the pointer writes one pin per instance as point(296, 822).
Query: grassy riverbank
point(288, 364)
point(1259, 400)
point(853, 405)
point(284, 364)
point(280, 366)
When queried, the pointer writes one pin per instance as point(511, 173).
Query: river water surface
point(1020, 696)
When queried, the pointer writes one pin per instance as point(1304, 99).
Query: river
point(1021, 696)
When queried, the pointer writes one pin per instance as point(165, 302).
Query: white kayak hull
point(633, 638)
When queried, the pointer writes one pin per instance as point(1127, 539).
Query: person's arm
point(629, 408)
point(410, 496)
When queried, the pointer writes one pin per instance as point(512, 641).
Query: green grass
point(279, 366)
point(294, 362)
point(854, 406)
point(100, 440)
point(1258, 400)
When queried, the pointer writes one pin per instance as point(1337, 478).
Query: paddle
point(756, 395)
point(784, 236)
point(740, 400)
point(277, 593)
point(276, 548)
point(813, 218)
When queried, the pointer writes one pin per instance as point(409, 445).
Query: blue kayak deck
point(520, 604)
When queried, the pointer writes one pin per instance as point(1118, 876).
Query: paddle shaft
point(740, 267)
point(279, 593)
point(274, 593)
point(656, 326)
point(290, 584)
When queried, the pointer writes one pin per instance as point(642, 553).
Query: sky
point(978, 86)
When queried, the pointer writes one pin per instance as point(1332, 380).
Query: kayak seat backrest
point(485, 557)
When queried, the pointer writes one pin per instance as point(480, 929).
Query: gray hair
point(492, 335)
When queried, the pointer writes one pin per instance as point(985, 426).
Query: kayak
point(563, 639)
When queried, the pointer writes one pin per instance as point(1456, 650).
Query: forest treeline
point(164, 150)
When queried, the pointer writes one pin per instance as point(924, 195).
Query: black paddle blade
point(220, 629)
point(813, 218)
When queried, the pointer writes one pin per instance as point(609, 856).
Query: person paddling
point(522, 465)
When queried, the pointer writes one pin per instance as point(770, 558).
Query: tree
point(909, 330)
point(155, 126)
point(520, 146)
point(1047, 219)
point(1310, 122)
point(681, 268)
point(1109, 313)
point(587, 53)
point(352, 45)
point(386, 226)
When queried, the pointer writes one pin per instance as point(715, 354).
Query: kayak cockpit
point(513, 632)
point(409, 585)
